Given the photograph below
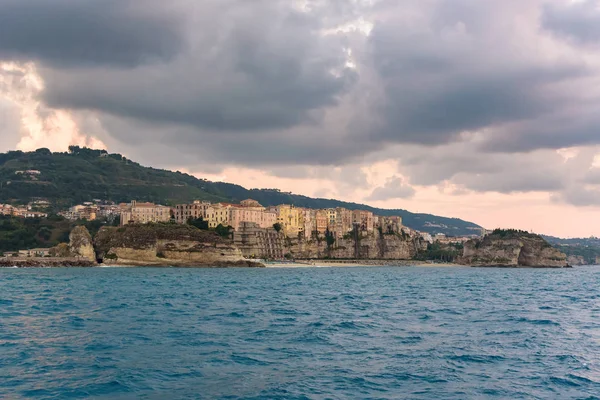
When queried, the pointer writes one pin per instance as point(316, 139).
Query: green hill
point(83, 174)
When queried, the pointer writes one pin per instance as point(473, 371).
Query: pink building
point(251, 211)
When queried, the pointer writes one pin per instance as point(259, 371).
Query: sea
point(300, 333)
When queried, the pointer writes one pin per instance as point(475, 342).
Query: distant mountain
point(84, 174)
point(583, 242)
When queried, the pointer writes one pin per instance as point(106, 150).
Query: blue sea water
point(315, 333)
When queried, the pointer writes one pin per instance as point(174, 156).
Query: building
point(249, 203)
point(32, 214)
point(288, 218)
point(321, 221)
point(109, 212)
point(23, 212)
point(343, 222)
point(198, 209)
point(331, 215)
point(427, 237)
point(364, 219)
point(83, 211)
point(143, 213)
point(248, 211)
point(269, 218)
point(6, 209)
point(218, 214)
point(34, 253)
point(28, 172)
point(452, 240)
point(306, 222)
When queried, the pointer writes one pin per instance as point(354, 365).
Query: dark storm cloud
point(265, 83)
point(564, 128)
point(88, 32)
point(250, 66)
point(452, 74)
point(578, 21)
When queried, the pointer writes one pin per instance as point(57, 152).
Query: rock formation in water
point(166, 245)
point(510, 248)
point(79, 249)
point(81, 244)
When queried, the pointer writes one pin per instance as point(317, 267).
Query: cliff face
point(375, 247)
point(166, 245)
point(576, 260)
point(512, 249)
point(81, 244)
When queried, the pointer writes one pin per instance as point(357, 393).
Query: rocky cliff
point(80, 247)
point(373, 247)
point(166, 245)
point(576, 260)
point(81, 244)
point(509, 248)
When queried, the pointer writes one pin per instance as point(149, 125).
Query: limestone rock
point(61, 250)
point(166, 245)
point(372, 247)
point(512, 249)
point(576, 260)
point(81, 243)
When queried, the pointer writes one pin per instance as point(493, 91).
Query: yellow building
point(331, 218)
point(218, 214)
point(288, 218)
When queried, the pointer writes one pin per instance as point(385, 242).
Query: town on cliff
point(247, 234)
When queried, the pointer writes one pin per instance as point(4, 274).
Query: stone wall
point(257, 242)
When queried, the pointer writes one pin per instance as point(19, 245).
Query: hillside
point(83, 175)
point(587, 248)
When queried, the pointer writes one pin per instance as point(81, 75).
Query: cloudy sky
point(485, 110)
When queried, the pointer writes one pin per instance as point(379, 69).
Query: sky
point(483, 110)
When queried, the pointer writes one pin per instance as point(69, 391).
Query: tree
point(44, 233)
point(199, 223)
point(277, 226)
point(223, 231)
point(330, 238)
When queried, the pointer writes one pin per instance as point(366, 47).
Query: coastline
point(359, 263)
